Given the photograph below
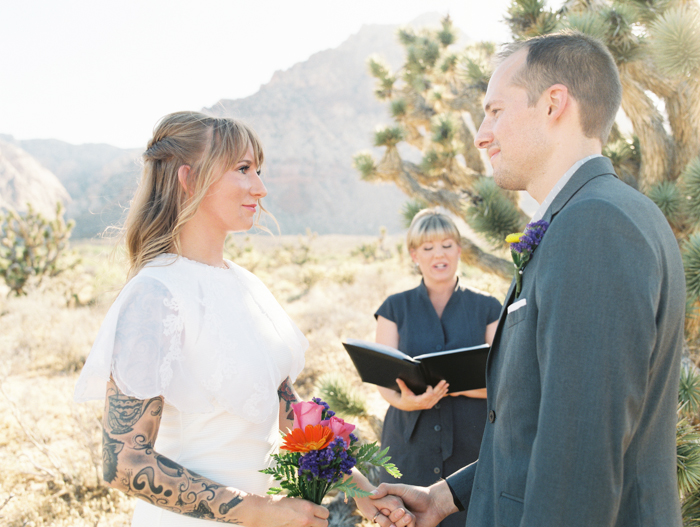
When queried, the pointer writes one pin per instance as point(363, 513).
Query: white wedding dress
point(216, 345)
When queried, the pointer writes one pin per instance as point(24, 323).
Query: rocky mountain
point(312, 119)
point(100, 179)
point(24, 180)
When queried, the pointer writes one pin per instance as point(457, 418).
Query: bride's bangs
point(231, 140)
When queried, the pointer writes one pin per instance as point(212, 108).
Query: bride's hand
point(280, 511)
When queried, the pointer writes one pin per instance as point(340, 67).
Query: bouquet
point(319, 452)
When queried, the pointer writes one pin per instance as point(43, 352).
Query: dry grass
point(50, 447)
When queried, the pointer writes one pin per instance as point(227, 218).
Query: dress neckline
point(229, 265)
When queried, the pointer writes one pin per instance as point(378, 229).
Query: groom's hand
point(430, 505)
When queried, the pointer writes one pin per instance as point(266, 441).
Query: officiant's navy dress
point(427, 445)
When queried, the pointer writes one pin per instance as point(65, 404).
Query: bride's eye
point(243, 169)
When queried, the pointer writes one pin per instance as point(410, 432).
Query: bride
point(196, 356)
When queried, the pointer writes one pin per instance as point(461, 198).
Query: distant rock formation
point(312, 119)
point(100, 179)
point(24, 180)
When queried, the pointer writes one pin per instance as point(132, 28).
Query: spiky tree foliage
point(32, 247)
point(688, 445)
point(410, 209)
point(337, 392)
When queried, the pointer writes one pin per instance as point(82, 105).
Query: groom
point(583, 373)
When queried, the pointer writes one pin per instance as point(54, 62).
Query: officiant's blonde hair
point(210, 146)
point(430, 225)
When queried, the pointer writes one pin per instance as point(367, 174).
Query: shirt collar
point(424, 290)
point(539, 213)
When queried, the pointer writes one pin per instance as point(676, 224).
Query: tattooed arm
point(131, 465)
point(288, 397)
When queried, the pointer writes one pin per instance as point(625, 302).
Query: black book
point(463, 368)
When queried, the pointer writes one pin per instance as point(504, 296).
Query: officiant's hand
point(409, 401)
point(429, 505)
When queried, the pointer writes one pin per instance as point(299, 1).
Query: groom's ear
point(557, 101)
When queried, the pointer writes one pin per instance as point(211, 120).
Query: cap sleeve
point(139, 344)
point(387, 309)
point(493, 309)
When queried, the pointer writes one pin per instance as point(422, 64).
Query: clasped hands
point(408, 401)
point(420, 506)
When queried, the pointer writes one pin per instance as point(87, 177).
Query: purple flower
point(327, 412)
point(328, 464)
point(522, 245)
point(526, 244)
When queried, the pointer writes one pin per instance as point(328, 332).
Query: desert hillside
point(24, 180)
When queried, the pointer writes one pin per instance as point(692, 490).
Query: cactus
point(32, 247)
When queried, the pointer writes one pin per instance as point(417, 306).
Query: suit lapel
point(501, 320)
point(597, 166)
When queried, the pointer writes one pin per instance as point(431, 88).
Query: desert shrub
point(339, 394)
point(299, 253)
point(33, 247)
point(374, 250)
point(344, 274)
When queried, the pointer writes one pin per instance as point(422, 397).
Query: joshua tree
point(435, 100)
point(31, 247)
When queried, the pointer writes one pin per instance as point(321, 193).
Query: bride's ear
point(183, 174)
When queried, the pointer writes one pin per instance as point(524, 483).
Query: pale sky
point(104, 71)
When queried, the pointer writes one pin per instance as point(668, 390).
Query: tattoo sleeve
point(287, 397)
point(131, 465)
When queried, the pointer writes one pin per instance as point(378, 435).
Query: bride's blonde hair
point(210, 146)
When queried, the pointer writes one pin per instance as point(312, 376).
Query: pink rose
point(306, 413)
point(340, 428)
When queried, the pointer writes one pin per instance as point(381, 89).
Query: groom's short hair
point(581, 63)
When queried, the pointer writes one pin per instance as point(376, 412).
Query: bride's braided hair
point(161, 206)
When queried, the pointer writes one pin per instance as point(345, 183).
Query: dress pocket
point(510, 510)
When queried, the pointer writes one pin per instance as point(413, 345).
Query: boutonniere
point(522, 245)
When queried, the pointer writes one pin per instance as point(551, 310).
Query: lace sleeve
point(148, 340)
point(139, 343)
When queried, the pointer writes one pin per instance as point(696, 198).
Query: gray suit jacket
point(583, 378)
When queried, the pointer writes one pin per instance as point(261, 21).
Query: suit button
point(437, 406)
point(438, 347)
point(438, 428)
point(436, 470)
point(492, 416)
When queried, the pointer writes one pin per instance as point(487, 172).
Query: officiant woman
point(434, 434)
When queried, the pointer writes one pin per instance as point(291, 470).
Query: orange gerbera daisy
point(311, 438)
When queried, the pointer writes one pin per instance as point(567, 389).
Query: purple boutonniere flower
point(522, 245)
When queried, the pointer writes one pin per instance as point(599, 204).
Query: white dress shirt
point(560, 185)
